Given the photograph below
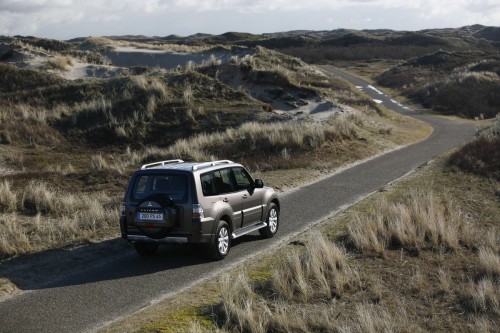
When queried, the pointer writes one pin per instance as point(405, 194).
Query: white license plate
point(151, 216)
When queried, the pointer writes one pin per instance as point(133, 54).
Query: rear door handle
point(245, 196)
point(225, 200)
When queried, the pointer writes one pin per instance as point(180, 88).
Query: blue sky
point(65, 19)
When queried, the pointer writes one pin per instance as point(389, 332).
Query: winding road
point(120, 282)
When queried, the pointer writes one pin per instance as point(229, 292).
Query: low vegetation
point(66, 142)
point(481, 156)
point(59, 63)
point(40, 217)
point(422, 255)
point(420, 221)
point(424, 259)
point(261, 145)
point(458, 83)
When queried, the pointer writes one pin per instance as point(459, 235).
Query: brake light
point(198, 211)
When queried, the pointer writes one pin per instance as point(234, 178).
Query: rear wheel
point(221, 244)
point(146, 249)
point(272, 222)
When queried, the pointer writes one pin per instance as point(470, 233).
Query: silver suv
point(208, 203)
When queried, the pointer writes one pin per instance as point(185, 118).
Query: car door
point(229, 193)
point(251, 197)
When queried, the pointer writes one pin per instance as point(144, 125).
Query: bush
point(481, 157)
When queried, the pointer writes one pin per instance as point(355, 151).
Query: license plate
point(151, 216)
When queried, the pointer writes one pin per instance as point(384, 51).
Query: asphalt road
point(120, 283)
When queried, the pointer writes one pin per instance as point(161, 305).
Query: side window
point(224, 180)
point(243, 179)
point(208, 184)
point(140, 189)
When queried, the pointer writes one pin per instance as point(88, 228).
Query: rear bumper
point(198, 234)
point(166, 240)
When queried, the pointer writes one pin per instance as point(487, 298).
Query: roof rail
point(209, 164)
point(162, 163)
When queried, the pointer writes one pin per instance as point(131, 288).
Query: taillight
point(198, 211)
point(122, 209)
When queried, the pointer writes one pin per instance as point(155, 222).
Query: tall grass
point(483, 296)
point(489, 260)
point(59, 63)
point(267, 138)
point(318, 274)
point(321, 272)
point(14, 238)
point(23, 123)
point(8, 198)
point(418, 221)
point(42, 217)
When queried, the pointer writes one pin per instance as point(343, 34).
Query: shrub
point(481, 157)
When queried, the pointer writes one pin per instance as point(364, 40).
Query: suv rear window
point(173, 186)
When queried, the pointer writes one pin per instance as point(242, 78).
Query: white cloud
point(32, 16)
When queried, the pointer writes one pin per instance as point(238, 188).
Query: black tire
point(272, 222)
point(146, 249)
point(222, 242)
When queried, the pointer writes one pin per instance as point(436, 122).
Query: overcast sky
point(66, 19)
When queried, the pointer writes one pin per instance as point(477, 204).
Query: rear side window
point(208, 184)
point(173, 186)
point(218, 182)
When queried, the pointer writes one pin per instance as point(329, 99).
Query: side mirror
point(259, 183)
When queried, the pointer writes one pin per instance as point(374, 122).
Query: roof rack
point(209, 164)
point(162, 163)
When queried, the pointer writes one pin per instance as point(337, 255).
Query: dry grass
point(8, 198)
point(300, 296)
point(321, 273)
point(270, 138)
point(14, 239)
point(489, 261)
point(315, 285)
point(418, 221)
point(180, 48)
point(111, 163)
point(59, 63)
point(46, 218)
point(98, 162)
point(483, 296)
